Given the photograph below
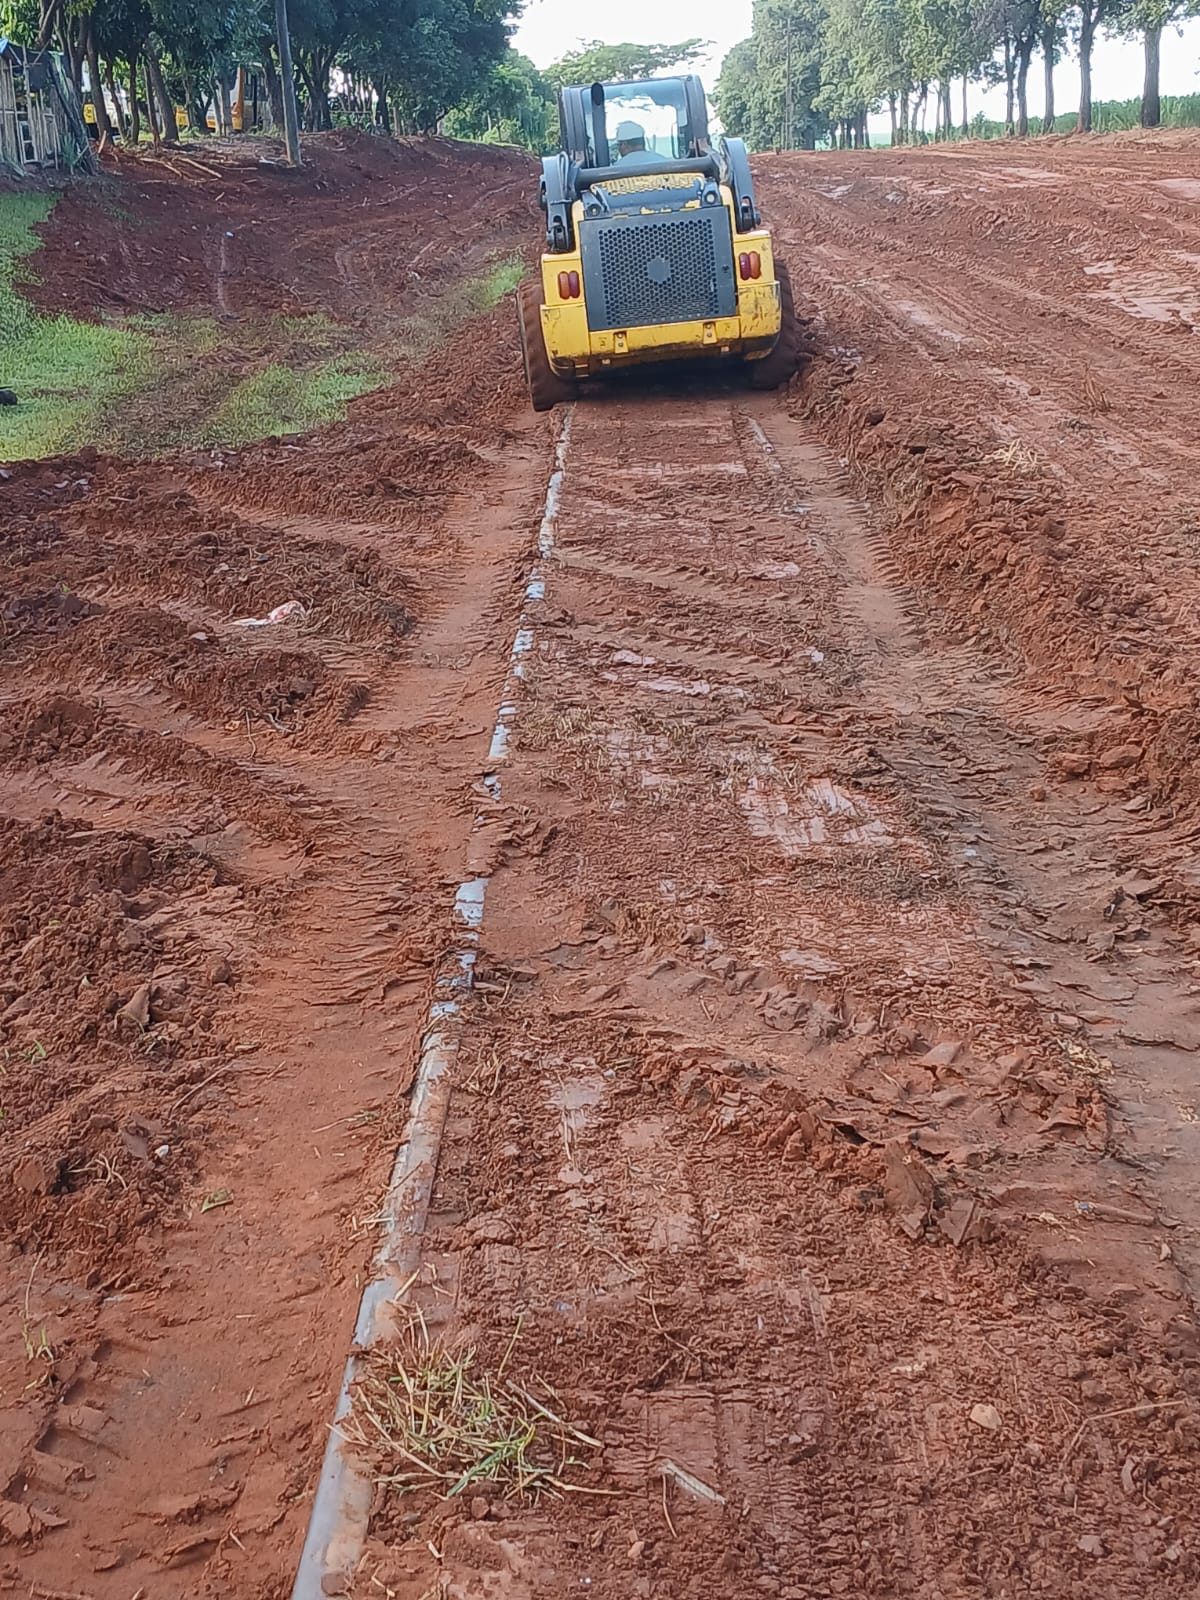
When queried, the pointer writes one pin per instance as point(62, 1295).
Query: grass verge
point(67, 375)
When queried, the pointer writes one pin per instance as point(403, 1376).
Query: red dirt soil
point(229, 232)
point(823, 1138)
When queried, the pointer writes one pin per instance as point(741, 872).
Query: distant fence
point(41, 120)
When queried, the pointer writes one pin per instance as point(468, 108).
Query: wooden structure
point(41, 119)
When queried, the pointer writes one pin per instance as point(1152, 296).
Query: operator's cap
point(628, 131)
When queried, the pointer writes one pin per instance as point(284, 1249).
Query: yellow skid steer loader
point(655, 249)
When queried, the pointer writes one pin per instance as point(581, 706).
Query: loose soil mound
point(230, 229)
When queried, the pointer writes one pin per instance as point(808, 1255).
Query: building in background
point(41, 118)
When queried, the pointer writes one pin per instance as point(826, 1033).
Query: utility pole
point(291, 122)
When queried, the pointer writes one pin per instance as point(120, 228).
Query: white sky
point(550, 28)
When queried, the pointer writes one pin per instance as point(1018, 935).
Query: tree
point(1091, 16)
point(291, 121)
point(1052, 38)
point(734, 90)
point(428, 56)
point(866, 62)
point(768, 89)
point(514, 104)
point(953, 38)
point(621, 63)
point(1149, 19)
point(1023, 27)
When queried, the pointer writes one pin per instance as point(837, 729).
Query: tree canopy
point(415, 65)
point(817, 68)
point(619, 63)
point(410, 61)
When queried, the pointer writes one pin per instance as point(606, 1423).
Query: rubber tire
point(546, 388)
point(773, 371)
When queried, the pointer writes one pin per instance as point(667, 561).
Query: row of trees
point(408, 65)
point(517, 104)
point(403, 62)
point(810, 70)
point(813, 69)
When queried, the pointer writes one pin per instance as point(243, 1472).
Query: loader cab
point(671, 113)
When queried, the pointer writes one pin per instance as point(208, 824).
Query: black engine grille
point(674, 268)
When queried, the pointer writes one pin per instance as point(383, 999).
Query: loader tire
point(546, 388)
point(773, 371)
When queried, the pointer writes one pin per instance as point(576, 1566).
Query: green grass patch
point(66, 374)
point(283, 399)
point(225, 386)
point(490, 287)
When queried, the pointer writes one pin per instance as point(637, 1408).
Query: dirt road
point(817, 1156)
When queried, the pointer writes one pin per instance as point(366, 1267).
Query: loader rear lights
point(749, 265)
point(568, 286)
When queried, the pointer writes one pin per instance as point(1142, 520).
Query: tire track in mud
point(748, 1085)
point(964, 718)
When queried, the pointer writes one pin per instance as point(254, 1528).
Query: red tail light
point(750, 264)
point(568, 286)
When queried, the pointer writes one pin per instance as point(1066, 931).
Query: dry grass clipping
point(429, 1417)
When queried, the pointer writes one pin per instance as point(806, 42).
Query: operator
point(631, 145)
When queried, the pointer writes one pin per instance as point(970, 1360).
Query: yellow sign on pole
point(181, 118)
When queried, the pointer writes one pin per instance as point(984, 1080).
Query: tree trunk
point(118, 111)
point(283, 43)
point(1049, 44)
point(50, 12)
point(151, 111)
point(1087, 35)
point(1151, 105)
point(274, 91)
point(223, 100)
point(135, 115)
point(156, 86)
point(865, 129)
point(74, 41)
point(103, 126)
point(1024, 55)
point(966, 121)
point(324, 113)
point(383, 111)
point(904, 117)
point(1009, 70)
point(310, 94)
